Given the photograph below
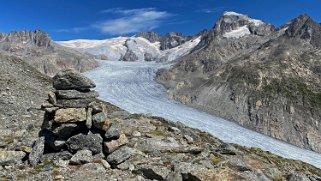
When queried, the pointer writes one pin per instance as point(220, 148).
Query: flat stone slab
point(70, 115)
point(74, 103)
point(71, 79)
point(75, 94)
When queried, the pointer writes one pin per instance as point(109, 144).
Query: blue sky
point(99, 19)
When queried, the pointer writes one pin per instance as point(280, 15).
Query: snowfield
point(131, 86)
point(115, 48)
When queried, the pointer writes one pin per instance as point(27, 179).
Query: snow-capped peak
point(245, 17)
point(231, 13)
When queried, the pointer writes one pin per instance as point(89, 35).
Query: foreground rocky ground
point(115, 145)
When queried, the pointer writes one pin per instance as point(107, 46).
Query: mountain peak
point(306, 28)
point(232, 13)
point(237, 25)
point(150, 36)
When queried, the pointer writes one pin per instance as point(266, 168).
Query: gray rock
point(112, 133)
point(100, 121)
point(121, 155)
point(11, 157)
point(74, 103)
point(66, 130)
point(82, 157)
point(92, 142)
point(111, 146)
point(152, 172)
point(37, 151)
point(75, 94)
point(71, 79)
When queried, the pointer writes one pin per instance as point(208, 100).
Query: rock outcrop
point(39, 51)
point(263, 78)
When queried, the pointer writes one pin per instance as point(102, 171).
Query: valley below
point(131, 86)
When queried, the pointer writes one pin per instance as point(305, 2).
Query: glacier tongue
point(131, 86)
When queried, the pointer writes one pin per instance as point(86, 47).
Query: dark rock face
point(172, 40)
point(130, 56)
point(168, 41)
point(267, 80)
point(304, 27)
point(39, 51)
point(150, 36)
point(71, 79)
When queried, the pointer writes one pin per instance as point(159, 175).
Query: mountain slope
point(264, 78)
point(22, 90)
point(39, 51)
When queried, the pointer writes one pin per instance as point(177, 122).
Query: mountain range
point(245, 70)
point(262, 77)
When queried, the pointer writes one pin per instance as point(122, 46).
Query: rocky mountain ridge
point(39, 51)
point(264, 78)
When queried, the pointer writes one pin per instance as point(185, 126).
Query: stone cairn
point(76, 127)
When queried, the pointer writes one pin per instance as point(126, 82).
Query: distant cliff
point(39, 51)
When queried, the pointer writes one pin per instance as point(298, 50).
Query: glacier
point(131, 86)
point(116, 48)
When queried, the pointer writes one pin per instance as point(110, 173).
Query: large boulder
point(71, 79)
point(92, 142)
point(70, 115)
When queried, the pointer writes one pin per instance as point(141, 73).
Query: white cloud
point(132, 20)
point(72, 30)
point(213, 10)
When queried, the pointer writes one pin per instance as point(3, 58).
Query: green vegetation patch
point(294, 89)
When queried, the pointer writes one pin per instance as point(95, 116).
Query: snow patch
point(251, 20)
point(237, 33)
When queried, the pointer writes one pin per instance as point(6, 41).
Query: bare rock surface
point(38, 50)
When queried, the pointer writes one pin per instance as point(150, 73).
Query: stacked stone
point(75, 122)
